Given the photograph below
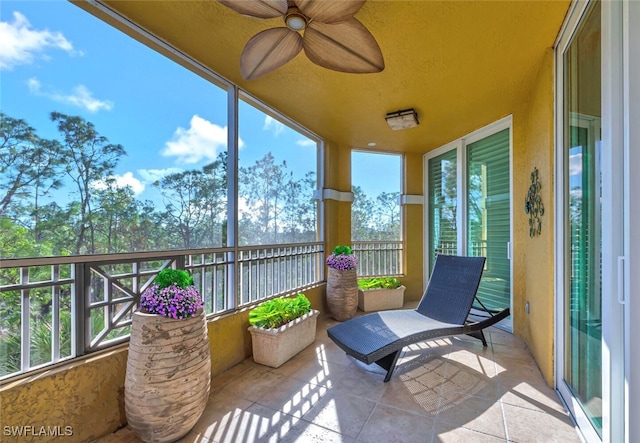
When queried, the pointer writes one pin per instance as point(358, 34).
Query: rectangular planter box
point(380, 299)
point(273, 347)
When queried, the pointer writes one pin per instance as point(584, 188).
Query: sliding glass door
point(592, 260)
point(469, 206)
point(489, 215)
point(582, 277)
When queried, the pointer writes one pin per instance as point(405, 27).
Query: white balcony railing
point(53, 309)
point(378, 258)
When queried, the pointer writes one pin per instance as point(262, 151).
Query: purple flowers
point(342, 262)
point(172, 301)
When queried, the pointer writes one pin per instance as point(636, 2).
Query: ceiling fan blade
point(258, 8)
point(268, 50)
point(329, 11)
point(346, 46)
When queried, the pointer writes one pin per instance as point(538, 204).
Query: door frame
point(630, 97)
point(613, 335)
point(460, 145)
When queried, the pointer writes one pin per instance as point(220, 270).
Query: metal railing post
point(79, 294)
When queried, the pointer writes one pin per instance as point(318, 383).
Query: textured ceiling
point(461, 65)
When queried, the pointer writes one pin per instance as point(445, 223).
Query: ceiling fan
point(331, 37)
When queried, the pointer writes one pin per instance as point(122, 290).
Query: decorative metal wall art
point(533, 205)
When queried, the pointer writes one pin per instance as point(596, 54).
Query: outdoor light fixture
point(407, 118)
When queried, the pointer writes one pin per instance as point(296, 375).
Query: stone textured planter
point(168, 375)
point(342, 293)
point(273, 347)
point(380, 299)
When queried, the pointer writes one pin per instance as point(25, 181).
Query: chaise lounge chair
point(445, 310)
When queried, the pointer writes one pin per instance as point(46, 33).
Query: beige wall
point(533, 258)
point(88, 393)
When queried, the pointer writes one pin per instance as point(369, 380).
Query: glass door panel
point(443, 204)
point(469, 208)
point(583, 256)
point(488, 215)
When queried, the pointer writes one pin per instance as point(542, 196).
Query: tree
point(184, 215)
point(362, 211)
point(388, 216)
point(146, 231)
point(28, 164)
point(299, 209)
point(263, 187)
point(213, 197)
point(56, 226)
point(89, 158)
point(116, 215)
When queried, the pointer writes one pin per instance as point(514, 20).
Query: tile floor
point(449, 390)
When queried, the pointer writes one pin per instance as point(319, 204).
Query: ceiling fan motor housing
point(294, 19)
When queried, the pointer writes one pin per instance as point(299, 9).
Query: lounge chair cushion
point(370, 337)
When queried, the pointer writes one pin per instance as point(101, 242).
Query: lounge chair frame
point(446, 309)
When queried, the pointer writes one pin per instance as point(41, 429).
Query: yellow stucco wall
point(337, 214)
point(87, 395)
point(533, 258)
point(413, 223)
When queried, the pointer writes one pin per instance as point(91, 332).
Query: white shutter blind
point(488, 212)
point(442, 206)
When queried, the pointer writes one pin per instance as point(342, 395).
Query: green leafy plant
point(178, 277)
point(342, 250)
point(279, 311)
point(379, 283)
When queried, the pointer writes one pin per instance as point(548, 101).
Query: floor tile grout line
point(500, 390)
point(477, 431)
point(366, 422)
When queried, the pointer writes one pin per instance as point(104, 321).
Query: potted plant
point(342, 283)
point(380, 293)
point(280, 328)
point(168, 375)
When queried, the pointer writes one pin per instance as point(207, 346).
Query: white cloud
point(153, 175)
point(21, 43)
point(201, 141)
point(81, 97)
point(305, 142)
point(122, 181)
point(575, 164)
point(34, 86)
point(273, 125)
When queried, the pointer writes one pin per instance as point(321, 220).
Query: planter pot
point(380, 299)
point(273, 347)
point(168, 375)
point(342, 293)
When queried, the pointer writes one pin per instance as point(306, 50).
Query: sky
point(56, 57)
